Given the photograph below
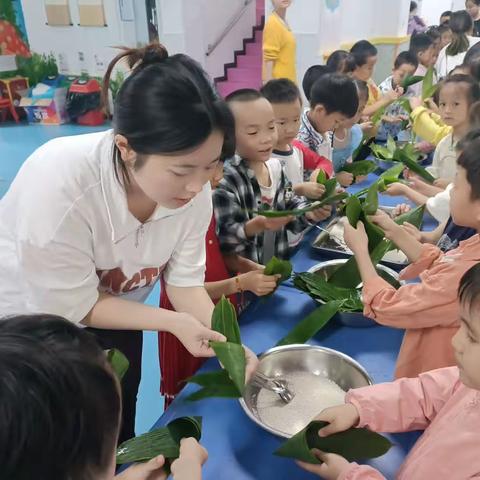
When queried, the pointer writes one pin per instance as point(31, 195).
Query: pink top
point(428, 310)
point(436, 401)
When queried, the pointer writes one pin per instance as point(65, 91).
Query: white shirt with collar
point(66, 233)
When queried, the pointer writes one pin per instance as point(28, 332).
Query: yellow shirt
point(429, 126)
point(279, 47)
point(374, 93)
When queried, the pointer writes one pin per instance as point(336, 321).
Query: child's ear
point(319, 110)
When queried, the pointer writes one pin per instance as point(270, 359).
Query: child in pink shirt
point(427, 310)
point(444, 402)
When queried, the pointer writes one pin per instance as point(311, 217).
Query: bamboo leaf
point(118, 362)
point(412, 165)
point(321, 177)
point(370, 206)
point(312, 324)
point(393, 173)
point(405, 104)
point(224, 320)
point(279, 267)
point(377, 117)
point(428, 88)
point(232, 357)
point(411, 80)
point(353, 210)
point(360, 168)
point(352, 444)
point(381, 152)
point(330, 187)
point(363, 150)
point(215, 384)
point(391, 145)
point(161, 441)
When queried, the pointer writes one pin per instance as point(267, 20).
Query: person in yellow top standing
point(279, 45)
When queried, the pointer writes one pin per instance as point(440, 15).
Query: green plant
point(37, 67)
point(116, 83)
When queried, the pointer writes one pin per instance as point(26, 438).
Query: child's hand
point(319, 214)
point(312, 190)
point(345, 179)
point(332, 467)
point(400, 209)
point(390, 119)
point(396, 189)
point(385, 222)
point(442, 183)
point(189, 463)
point(258, 283)
point(356, 238)
point(339, 419)
point(366, 126)
point(424, 147)
point(252, 363)
point(314, 175)
point(360, 178)
point(413, 231)
point(151, 470)
point(276, 224)
point(415, 102)
point(393, 95)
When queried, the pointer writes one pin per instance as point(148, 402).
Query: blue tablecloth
point(238, 448)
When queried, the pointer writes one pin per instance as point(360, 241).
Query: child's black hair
point(405, 58)
point(311, 76)
point(434, 33)
point(413, 6)
point(472, 55)
point(341, 61)
point(419, 43)
point(461, 24)
point(362, 89)
point(472, 86)
point(165, 106)
point(469, 287)
point(337, 93)
point(447, 13)
point(244, 95)
point(468, 149)
point(281, 90)
point(362, 51)
point(60, 403)
point(444, 28)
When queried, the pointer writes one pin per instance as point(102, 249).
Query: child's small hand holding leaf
point(356, 238)
point(331, 468)
point(385, 222)
point(319, 214)
point(345, 179)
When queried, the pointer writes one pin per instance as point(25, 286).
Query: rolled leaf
point(161, 441)
point(118, 362)
point(360, 168)
point(411, 80)
point(279, 267)
point(352, 444)
point(215, 384)
point(224, 320)
point(232, 357)
point(312, 324)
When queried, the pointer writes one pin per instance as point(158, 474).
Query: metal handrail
point(211, 47)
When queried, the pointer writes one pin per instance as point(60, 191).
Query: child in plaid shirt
point(252, 179)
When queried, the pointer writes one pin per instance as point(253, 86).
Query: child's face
point(217, 176)
point(350, 122)
point(465, 211)
point(402, 72)
point(466, 345)
point(446, 38)
point(428, 57)
point(287, 120)
point(453, 105)
point(325, 122)
point(281, 3)
point(255, 131)
point(472, 9)
point(365, 72)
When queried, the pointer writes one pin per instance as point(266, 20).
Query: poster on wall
point(58, 12)
point(92, 13)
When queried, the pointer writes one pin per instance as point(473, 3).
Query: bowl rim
point(296, 347)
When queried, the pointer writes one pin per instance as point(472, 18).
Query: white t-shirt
point(439, 205)
point(444, 163)
point(66, 233)
point(292, 164)
point(446, 63)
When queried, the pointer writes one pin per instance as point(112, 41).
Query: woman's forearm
point(192, 300)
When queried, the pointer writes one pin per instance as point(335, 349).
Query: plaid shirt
point(235, 198)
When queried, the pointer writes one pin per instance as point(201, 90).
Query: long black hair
point(461, 24)
point(167, 105)
point(59, 401)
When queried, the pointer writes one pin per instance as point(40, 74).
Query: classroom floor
point(17, 142)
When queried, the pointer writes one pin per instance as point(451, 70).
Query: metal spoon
point(339, 240)
point(276, 385)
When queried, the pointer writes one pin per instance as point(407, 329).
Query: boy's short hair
point(337, 93)
point(413, 6)
point(362, 88)
point(419, 43)
point(362, 51)
point(469, 287)
point(311, 76)
point(281, 90)
point(60, 401)
point(446, 13)
point(244, 95)
point(433, 33)
point(341, 61)
point(406, 57)
point(468, 148)
point(443, 28)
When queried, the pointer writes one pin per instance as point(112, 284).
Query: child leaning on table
point(445, 403)
point(428, 310)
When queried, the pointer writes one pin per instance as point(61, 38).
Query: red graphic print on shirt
point(115, 282)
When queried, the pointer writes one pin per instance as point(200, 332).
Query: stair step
point(248, 61)
point(245, 74)
point(225, 88)
point(254, 49)
point(258, 37)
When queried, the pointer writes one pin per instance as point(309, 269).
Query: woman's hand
point(332, 467)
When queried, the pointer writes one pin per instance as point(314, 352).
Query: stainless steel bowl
point(350, 319)
point(293, 362)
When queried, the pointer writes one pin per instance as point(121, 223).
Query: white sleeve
point(439, 205)
point(434, 168)
point(186, 267)
point(60, 278)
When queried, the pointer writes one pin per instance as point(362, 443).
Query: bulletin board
point(58, 12)
point(91, 13)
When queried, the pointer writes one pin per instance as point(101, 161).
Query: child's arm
point(386, 100)
point(425, 237)
point(314, 161)
point(401, 190)
point(427, 126)
point(310, 190)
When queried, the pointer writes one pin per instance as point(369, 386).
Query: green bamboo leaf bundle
point(229, 382)
point(411, 164)
point(428, 87)
point(352, 444)
point(312, 324)
point(360, 168)
point(118, 362)
point(329, 184)
point(386, 178)
point(161, 441)
point(370, 206)
point(279, 267)
point(377, 117)
point(410, 80)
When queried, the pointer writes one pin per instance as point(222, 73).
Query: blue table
point(238, 448)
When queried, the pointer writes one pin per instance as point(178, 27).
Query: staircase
point(246, 69)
